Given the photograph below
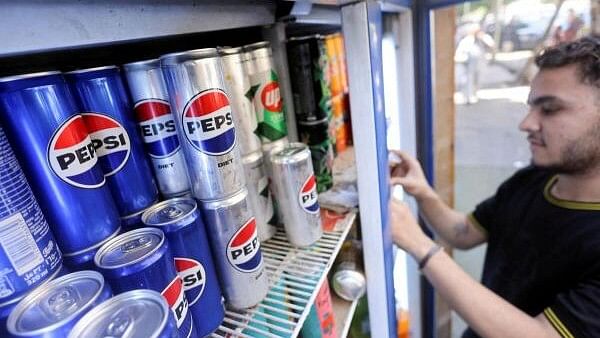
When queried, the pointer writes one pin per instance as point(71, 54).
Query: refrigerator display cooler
point(387, 84)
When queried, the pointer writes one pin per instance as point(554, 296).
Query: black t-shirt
point(543, 253)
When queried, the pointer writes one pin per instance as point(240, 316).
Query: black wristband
point(434, 249)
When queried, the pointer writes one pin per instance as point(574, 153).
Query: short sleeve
point(484, 215)
point(576, 313)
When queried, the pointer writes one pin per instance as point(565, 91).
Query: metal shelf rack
point(295, 277)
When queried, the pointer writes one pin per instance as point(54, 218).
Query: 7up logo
point(269, 106)
point(270, 97)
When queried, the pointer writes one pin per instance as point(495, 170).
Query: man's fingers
point(397, 180)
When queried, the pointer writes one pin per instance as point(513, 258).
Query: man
point(541, 276)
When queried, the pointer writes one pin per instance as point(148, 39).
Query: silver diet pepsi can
point(296, 188)
point(231, 228)
point(136, 314)
point(157, 126)
point(205, 122)
point(241, 94)
point(259, 195)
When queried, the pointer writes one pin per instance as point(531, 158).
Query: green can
point(316, 136)
point(265, 94)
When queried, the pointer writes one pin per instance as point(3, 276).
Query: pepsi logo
point(243, 250)
point(157, 127)
point(174, 296)
point(194, 277)
point(110, 140)
point(72, 155)
point(308, 196)
point(270, 97)
point(208, 123)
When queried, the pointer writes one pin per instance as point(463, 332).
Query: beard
point(579, 156)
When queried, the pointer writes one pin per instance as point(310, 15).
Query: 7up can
point(270, 110)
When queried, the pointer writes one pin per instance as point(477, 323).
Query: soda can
point(268, 104)
point(296, 189)
point(308, 64)
point(180, 220)
point(157, 126)
point(335, 74)
point(259, 195)
point(238, 87)
point(348, 279)
point(203, 113)
point(339, 46)
point(267, 149)
point(29, 254)
point(53, 309)
point(231, 228)
point(108, 118)
point(316, 136)
point(137, 313)
point(59, 160)
point(141, 259)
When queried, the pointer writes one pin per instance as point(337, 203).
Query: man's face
point(563, 123)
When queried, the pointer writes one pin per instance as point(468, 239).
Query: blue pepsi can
point(136, 313)
point(180, 220)
point(59, 160)
point(29, 254)
point(108, 118)
point(141, 259)
point(53, 309)
point(157, 126)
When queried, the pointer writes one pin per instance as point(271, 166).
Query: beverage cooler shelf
point(295, 277)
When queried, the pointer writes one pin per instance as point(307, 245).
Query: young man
point(542, 267)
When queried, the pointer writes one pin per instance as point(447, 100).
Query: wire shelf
point(295, 277)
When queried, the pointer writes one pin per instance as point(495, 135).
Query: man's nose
point(530, 122)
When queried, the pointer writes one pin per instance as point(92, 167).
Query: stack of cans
point(206, 120)
point(338, 84)
point(309, 67)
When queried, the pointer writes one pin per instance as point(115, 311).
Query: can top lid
point(27, 76)
point(314, 123)
point(142, 65)
point(349, 284)
point(225, 202)
point(178, 57)
point(56, 303)
point(141, 313)
point(293, 152)
point(169, 211)
point(230, 50)
point(90, 70)
point(257, 45)
point(252, 157)
point(129, 248)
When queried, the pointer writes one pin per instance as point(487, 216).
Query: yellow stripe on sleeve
point(558, 325)
point(471, 218)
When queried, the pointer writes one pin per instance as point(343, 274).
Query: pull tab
point(118, 325)
point(61, 303)
point(172, 212)
point(136, 244)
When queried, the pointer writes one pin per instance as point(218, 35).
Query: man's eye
point(549, 109)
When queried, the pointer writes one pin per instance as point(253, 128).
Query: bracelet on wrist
point(434, 249)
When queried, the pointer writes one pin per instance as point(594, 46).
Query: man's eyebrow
point(542, 99)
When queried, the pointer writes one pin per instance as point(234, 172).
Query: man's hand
point(406, 232)
point(409, 174)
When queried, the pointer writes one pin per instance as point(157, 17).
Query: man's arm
point(486, 313)
point(454, 227)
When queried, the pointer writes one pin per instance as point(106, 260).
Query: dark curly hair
point(584, 52)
